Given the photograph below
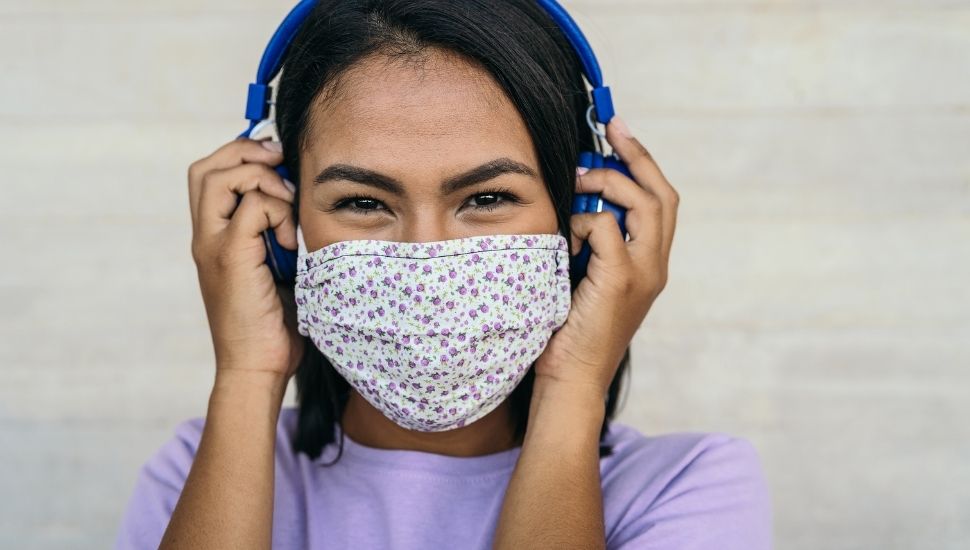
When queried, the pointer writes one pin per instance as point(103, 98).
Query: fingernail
point(273, 146)
point(580, 170)
point(289, 185)
point(621, 127)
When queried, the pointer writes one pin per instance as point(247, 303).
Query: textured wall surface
point(818, 301)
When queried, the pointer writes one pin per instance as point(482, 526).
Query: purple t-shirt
point(673, 491)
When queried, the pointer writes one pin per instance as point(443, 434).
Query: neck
point(366, 425)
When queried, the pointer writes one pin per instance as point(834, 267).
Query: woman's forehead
point(440, 101)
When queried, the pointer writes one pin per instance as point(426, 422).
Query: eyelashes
point(351, 203)
point(363, 204)
point(505, 196)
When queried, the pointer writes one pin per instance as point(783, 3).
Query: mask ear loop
point(600, 134)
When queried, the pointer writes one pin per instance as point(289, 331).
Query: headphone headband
point(260, 92)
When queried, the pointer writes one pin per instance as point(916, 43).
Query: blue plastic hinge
point(257, 101)
point(604, 104)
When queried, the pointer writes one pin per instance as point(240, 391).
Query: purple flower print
point(423, 330)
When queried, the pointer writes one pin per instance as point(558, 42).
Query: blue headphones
point(282, 262)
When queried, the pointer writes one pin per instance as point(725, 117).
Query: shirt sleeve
point(157, 489)
point(717, 498)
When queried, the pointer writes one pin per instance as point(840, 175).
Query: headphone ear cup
point(594, 202)
point(281, 261)
point(284, 173)
point(583, 203)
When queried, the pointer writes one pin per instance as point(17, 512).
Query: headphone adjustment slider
point(257, 101)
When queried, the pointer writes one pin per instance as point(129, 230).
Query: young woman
point(435, 144)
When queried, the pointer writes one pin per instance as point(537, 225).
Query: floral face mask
point(435, 335)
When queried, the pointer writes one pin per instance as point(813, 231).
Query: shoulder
point(175, 456)
point(160, 480)
point(157, 488)
point(684, 490)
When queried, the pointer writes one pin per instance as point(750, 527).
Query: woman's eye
point(490, 200)
point(359, 204)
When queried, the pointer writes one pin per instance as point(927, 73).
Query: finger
point(643, 215)
point(234, 153)
point(647, 174)
point(603, 234)
point(221, 189)
point(258, 212)
point(641, 163)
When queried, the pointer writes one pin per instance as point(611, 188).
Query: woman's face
point(419, 152)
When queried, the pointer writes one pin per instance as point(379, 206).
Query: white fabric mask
point(436, 334)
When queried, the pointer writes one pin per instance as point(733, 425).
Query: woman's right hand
point(251, 328)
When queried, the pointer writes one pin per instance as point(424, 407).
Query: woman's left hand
point(623, 277)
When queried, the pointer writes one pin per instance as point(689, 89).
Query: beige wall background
point(818, 301)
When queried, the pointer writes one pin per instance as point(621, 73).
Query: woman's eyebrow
point(479, 174)
point(485, 172)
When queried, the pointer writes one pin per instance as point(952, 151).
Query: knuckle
point(604, 219)
point(265, 174)
point(658, 281)
point(206, 179)
point(577, 222)
point(642, 150)
point(194, 171)
point(627, 282)
point(661, 280)
point(255, 198)
point(198, 252)
point(652, 203)
point(235, 145)
point(255, 169)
